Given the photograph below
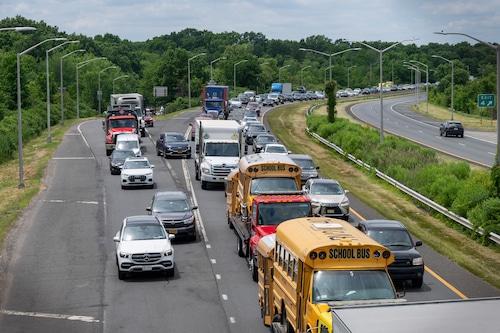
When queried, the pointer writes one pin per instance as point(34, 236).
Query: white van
point(128, 142)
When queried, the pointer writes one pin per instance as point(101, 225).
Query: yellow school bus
point(313, 263)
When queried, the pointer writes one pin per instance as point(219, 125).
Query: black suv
point(172, 144)
point(175, 212)
point(451, 127)
point(408, 263)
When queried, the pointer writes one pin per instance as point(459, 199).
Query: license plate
point(330, 211)
point(147, 268)
point(172, 231)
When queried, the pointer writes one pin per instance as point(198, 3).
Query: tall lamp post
point(279, 72)
point(99, 92)
point(62, 89)
point(381, 52)
point(49, 139)
point(19, 115)
point(234, 73)
point(211, 66)
point(78, 66)
point(348, 85)
point(117, 78)
point(497, 48)
point(330, 55)
point(302, 75)
point(426, 84)
point(415, 68)
point(189, 75)
point(452, 83)
point(329, 67)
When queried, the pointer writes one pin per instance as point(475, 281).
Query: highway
point(475, 147)
point(60, 265)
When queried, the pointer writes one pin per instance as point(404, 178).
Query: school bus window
point(291, 260)
point(285, 263)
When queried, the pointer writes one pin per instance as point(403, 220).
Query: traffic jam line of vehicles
point(291, 226)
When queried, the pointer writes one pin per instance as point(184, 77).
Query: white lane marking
point(224, 297)
point(77, 201)
point(73, 158)
point(86, 319)
point(199, 221)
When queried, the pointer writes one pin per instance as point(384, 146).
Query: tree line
point(163, 61)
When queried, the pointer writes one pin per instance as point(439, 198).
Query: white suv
point(137, 171)
point(143, 245)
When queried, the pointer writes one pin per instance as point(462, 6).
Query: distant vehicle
point(252, 131)
point(260, 142)
point(148, 119)
point(328, 198)
point(451, 127)
point(275, 98)
point(142, 245)
point(117, 158)
point(253, 106)
point(247, 121)
point(173, 144)
point(137, 171)
point(175, 212)
point(250, 112)
point(268, 102)
point(128, 141)
point(243, 98)
point(408, 263)
point(235, 102)
point(306, 163)
point(275, 148)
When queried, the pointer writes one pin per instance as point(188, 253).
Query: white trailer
point(217, 150)
point(135, 102)
point(471, 315)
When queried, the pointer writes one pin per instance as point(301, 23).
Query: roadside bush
point(471, 193)
point(486, 215)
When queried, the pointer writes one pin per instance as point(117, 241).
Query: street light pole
point(497, 48)
point(426, 84)
point(302, 76)
point(117, 78)
point(234, 73)
point(99, 92)
point(49, 139)
point(211, 66)
point(452, 75)
point(18, 29)
point(62, 89)
point(381, 52)
point(78, 66)
point(19, 114)
point(279, 72)
point(348, 85)
point(189, 76)
point(330, 55)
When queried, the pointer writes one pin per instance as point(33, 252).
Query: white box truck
point(217, 150)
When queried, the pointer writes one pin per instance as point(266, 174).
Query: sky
point(353, 20)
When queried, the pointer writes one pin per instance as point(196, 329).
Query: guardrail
point(424, 200)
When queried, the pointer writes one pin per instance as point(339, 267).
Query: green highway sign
point(486, 100)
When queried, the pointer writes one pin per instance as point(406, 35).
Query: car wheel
point(203, 185)
point(440, 133)
point(165, 154)
point(417, 283)
point(170, 272)
point(445, 133)
point(189, 156)
point(254, 269)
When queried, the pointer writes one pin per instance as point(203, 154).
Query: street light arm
point(36, 45)
point(18, 29)
point(58, 46)
point(83, 63)
point(471, 37)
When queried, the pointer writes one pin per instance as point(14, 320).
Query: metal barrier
point(426, 201)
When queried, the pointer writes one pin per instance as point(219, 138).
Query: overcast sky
point(355, 20)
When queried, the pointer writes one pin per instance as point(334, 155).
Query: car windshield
point(340, 285)
point(123, 145)
point(272, 184)
point(174, 138)
point(136, 165)
point(265, 139)
point(330, 189)
point(253, 128)
point(275, 149)
point(222, 149)
point(143, 232)
point(123, 153)
point(167, 206)
point(121, 123)
point(394, 239)
point(275, 213)
point(305, 164)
